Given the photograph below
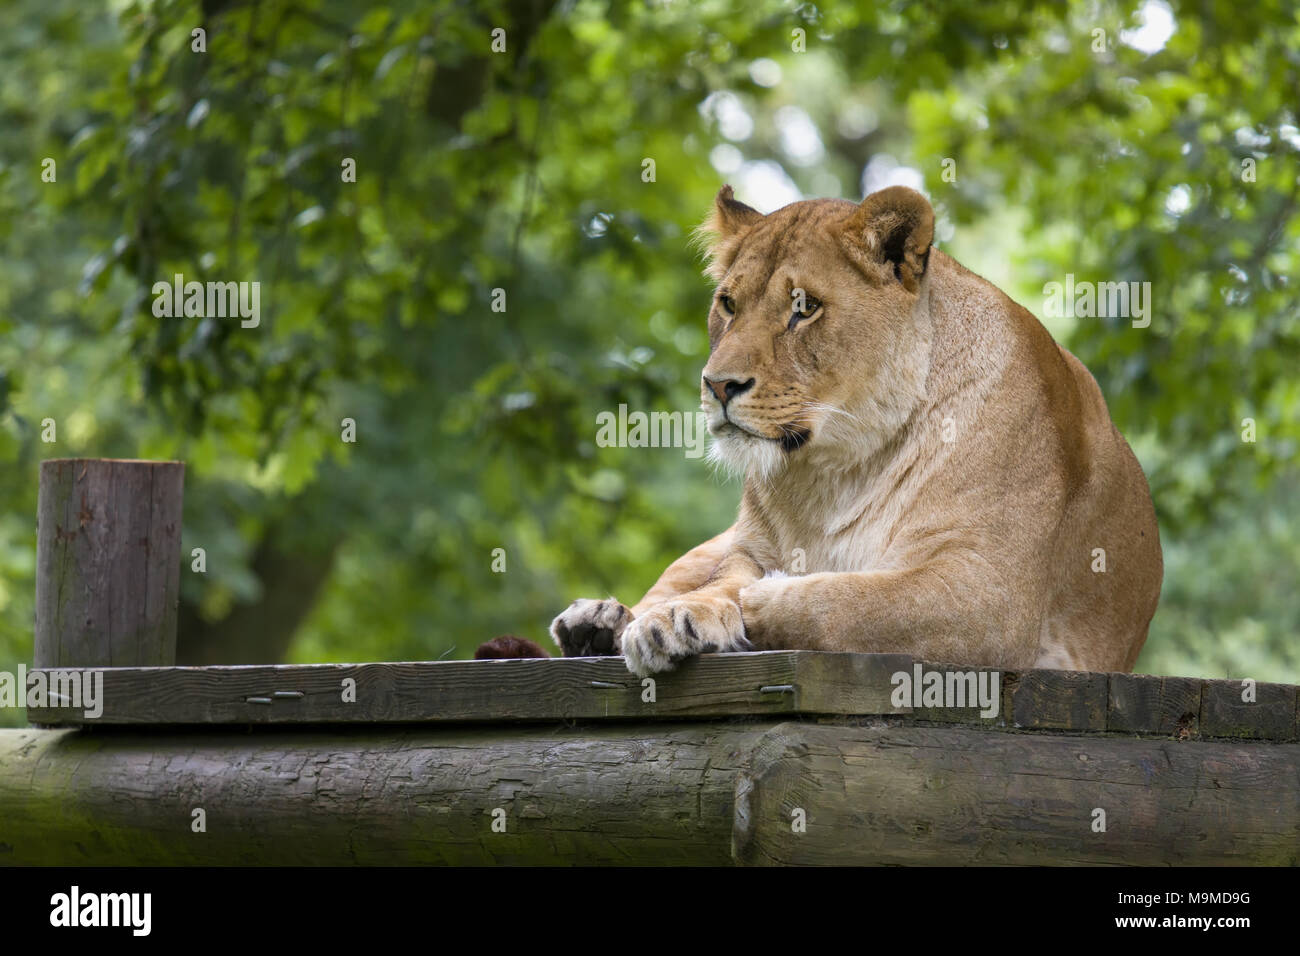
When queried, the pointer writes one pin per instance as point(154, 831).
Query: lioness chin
point(926, 470)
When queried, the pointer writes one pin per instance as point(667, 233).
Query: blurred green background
point(1144, 141)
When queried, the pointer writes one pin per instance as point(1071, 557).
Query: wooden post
point(108, 540)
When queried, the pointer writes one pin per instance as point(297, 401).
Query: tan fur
point(978, 550)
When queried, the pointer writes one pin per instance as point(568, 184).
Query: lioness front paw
point(676, 630)
point(760, 606)
point(590, 628)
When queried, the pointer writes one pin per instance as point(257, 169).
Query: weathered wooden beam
point(765, 682)
point(1163, 705)
point(1234, 708)
point(1059, 700)
point(954, 796)
point(619, 794)
point(107, 562)
point(758, 791)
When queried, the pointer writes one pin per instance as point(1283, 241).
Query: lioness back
point(1065, 481)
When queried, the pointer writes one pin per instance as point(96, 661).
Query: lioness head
point(817, 334)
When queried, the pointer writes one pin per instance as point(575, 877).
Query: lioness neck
point(940, 367)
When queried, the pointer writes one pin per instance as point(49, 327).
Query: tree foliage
point(524, 170)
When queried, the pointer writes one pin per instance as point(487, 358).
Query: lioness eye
point(728, 304)
point(810, 307)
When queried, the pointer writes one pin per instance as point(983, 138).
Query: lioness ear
point(723, 231)
point(893, 227)
point(730, 215)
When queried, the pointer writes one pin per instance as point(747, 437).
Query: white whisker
point(823, 407)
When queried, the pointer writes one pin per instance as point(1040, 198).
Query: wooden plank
point(108, 540)
point(957, 686)
point(624, 794)
point(820, 794)
point(1270, 715)
point(1143, 704)
point(1059, 700)
point(765, 682)
point(595, 688)
point(835, 683)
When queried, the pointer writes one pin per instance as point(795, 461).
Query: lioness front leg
point(940, 611)
point(704, 621)
point(592, 628)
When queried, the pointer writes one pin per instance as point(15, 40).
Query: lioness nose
point(727, 389)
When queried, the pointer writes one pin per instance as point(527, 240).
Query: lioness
point(926, 470)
